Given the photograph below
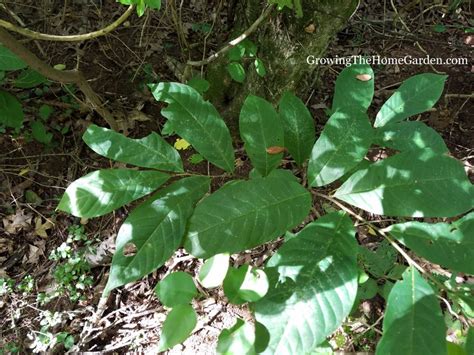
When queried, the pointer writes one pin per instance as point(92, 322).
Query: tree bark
point(284, 43)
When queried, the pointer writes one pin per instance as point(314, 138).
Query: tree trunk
point(284, 43)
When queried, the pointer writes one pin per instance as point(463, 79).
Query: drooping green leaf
point(404, 136)
point(39, 132)
point(260, 67)
point(151, 151)
point(156, 229)
point(178, 325)
point(239, 339)
point(29, 78)
point(261, 129)
point(11, 111)
point(416, 95)
point(450, 245)
point(214, 270)
point(245, 284)
point(9, 61)
point(418, 183)
point(413, 322)
point(342, 145)
point(298, 127)
point(103, 191)
point(244, 214)
point(354, 89)
point(176, 289)
point(313, 285)
point(198, 122)
point(236, 71)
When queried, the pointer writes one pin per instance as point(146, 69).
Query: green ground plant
point(310, 285)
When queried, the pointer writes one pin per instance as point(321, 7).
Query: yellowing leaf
point(181, 144)
point(371, 231)
point(24, 171)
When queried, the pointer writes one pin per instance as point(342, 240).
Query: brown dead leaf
point(364, 77)
point(469, 40)
point(33, 255)
point(310, 28)
point(41, 228)
point(14, 223)
point(275, 150)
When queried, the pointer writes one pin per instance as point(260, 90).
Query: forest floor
point(40, 248)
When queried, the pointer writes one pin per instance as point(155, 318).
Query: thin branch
point(62, 76)
point(235, 41)
point(70, 38)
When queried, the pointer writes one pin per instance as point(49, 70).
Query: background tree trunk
point(284, 42)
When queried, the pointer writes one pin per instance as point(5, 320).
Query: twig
point(64, 77)
point(235, 41)
point(72, 38)
point(416, 42)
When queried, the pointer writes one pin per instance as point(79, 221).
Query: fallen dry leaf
point(310, 28)
point(16, 222)
point(41, 228)
point(275, 150)
point(364, 77)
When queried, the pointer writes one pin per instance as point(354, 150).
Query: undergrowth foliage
point(311, 284)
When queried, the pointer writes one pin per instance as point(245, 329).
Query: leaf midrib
point(253, 211)
point(206, 133)
point(177, 205)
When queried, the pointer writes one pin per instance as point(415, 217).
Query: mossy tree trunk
point(284, 43)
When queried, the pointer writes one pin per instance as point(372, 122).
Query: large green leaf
point(298, 127)
point(156, 228)
point(354, 89)
point(103, 191)
point(313, 285)
point(409, 135)
point(244, 214)
point(260, 129)
point(416, 95)
point(450, 245)
point(413, 322)
point(177, 326)
point(151, 151)
point(343, 144)
point(11, 111)
point(418, 183)
point(9, 61)
point(197, 121)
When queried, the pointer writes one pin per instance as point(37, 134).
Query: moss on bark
point(284, 42)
